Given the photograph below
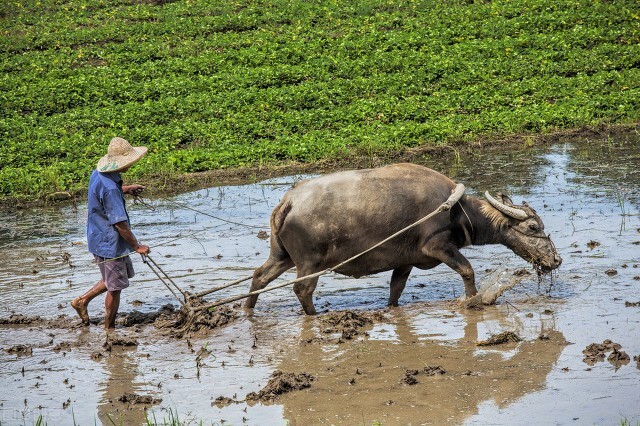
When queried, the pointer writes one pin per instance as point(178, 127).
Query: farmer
point(108, 233)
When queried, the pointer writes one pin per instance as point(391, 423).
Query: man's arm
point(125, 232)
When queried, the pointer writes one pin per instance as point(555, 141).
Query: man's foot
point(81, 309)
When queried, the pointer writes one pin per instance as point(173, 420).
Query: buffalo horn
point(509, 211)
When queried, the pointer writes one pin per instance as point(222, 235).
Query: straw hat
point(120, 155)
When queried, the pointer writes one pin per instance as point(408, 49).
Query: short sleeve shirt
point(106, 207)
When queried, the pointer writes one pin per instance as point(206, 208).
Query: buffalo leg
point(304, 290)
point(398, 281)
point(262, 276)
point(452, 257)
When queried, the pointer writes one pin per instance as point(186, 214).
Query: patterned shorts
point(115, 272)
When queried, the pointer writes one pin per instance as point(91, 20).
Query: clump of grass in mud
point(172, 420)
point(621, 200)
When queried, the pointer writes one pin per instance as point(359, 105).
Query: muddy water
point(585, 191)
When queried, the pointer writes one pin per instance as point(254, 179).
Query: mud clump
point(597, 352)
point(185, 321)
point(123, 341)
point(134, 398)
point(135, 317)
point(21, 320)
point(410, 378)
point(430, 370)
point(61, 321)
point(223, 401)
point(348, 323)
point(636, 358)
point(62, 346)
point(96, 356)
point(314, 340)
point(618, 358)
point(434, 370)
point(281, 383)
point(631, 304)
point(498, 339)
point(19, 350)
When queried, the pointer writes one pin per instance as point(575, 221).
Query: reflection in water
point(121, 373)
point(585, 191)
point(360, 381)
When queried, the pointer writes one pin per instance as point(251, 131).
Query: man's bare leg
point(111, 305)
point(81, 303)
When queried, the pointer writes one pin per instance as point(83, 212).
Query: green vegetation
point(209, 85)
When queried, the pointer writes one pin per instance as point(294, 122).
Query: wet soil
point(414, 364)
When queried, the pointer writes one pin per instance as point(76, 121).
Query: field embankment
point(226, 85)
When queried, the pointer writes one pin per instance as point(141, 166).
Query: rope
point(139, 200)
point(193, 234)
point(453, 198)
point(222, 287)
point(184, 206)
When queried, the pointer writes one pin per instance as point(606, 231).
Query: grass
point(173, 419)
point(249, 84)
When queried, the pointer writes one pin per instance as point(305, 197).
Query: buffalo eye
point(533, 227)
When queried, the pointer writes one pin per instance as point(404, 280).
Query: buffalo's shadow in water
point(361, 380)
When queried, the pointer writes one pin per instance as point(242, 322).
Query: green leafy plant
point(258, 83)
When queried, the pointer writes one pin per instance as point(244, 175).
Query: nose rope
point(473, 232)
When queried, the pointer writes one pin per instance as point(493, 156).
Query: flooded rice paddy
point(415, 364)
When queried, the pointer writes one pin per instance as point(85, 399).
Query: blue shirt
point(106, 208)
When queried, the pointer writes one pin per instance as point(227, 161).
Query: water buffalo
point(326, 220)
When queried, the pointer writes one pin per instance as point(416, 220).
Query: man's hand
point(143, 250)
point(134, 190)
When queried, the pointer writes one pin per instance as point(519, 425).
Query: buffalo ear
point(505, 199)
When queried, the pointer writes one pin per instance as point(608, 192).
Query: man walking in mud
point(108, 230)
